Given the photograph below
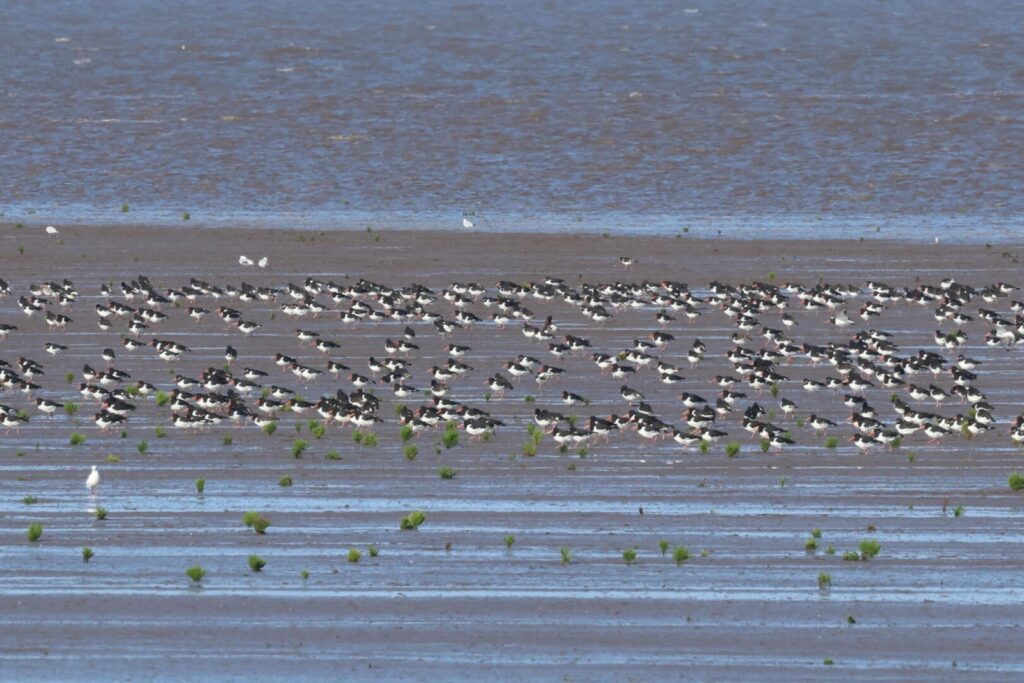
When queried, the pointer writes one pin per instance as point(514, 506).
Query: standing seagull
point(94, 480)
point(263, 262)
point(466, 223)
point(244, 261)
point(50, 230)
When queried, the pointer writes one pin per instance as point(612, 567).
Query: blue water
point(753, 118)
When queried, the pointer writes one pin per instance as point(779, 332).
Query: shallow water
point(450, 599)
point(753, 118)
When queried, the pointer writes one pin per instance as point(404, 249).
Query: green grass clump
point(1017, 481)
point(530, 448)
point(629, 556)
point(451, 435)
point(831, 550)
point(256, 563)
point(958, 510)
point(354, 555)
point(680, 554)
point(811, 545)
point(370, 440)
point(412, 521)
point(566, 554)
point(70, 408)
point(869, 547)
point(663, 546)
point(196, 573)
point(373, 550)
point(446, 472)
point(410, 452)
point(304, 574)
point(815, 533)
point(258, 523)
point(406, 433)
point(161, 431)
point(113, 458)
point(766, 445)
point(101, 513)
point(87, 554)
point(332, 455)
point(35, 531)
point(162, 398)
point(270, 428)
point(77, 439)
point(704, 447)
point(831, 442)
point(200, 486)
point(317, 429)
point(732, 448)
point(851, 556)
point(70, 378)
point(29, 500)
point(299, 446)
point(142, 447)
point(510, 541)
point(286, 480)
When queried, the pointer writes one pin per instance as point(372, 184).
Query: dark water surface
point(641, 116)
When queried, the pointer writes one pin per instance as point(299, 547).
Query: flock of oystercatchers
point(762, 355)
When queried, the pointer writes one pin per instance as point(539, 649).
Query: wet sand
point(941, 600)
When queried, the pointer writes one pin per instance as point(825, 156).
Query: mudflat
point(450, 600)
